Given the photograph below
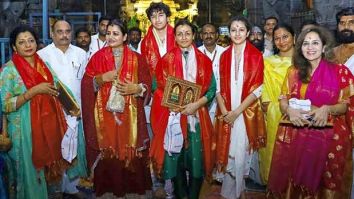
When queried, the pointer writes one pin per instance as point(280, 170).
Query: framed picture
point(67, 101)
point(179, 92)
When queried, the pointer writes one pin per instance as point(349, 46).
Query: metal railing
point(5, 50)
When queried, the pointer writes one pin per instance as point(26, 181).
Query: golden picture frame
point(179, 92)
point(68, 102)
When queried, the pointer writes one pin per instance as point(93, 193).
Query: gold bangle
point(24, 96)
point(99, 80)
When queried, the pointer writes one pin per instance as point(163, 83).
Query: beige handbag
point(115, 101)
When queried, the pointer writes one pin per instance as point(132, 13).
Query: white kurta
point(96, 44)
point(69, 67)
point(215, 58)
point(239, 161)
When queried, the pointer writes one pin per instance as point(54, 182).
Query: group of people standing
point(248, 107)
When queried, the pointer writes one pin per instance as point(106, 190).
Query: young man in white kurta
point(68, 63)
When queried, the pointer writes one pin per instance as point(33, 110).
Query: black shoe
point(253, 186)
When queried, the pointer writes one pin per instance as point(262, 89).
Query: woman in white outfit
point(240, 127)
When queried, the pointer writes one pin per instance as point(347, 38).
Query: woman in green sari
point(35, 118)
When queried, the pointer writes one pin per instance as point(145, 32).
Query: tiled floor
point(215, 194)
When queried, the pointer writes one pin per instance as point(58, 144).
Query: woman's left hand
point(128, 88)
point(190, 108)
point(319, 116)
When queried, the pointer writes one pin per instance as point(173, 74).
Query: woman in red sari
point(117, 140)
point(312, 157)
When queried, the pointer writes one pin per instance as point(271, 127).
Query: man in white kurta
point(98, 41)
point(210, 36)
point(239, 161)
point(68, 63)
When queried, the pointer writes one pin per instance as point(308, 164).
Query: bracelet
point(24, 96)
point(99, 80)
point(286, 110)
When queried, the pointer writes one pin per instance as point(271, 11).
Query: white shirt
point(69, 66)
point(162, 45)
point(215, 58)
point(350, 64)
point(138, 50)
point(268, 46)
point(96, 44)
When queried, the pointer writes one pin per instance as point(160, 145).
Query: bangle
point(24, 96)
point(99, 79)
point(286, 110)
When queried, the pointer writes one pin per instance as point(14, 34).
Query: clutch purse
point(116, 101)
point(68, 102)
point(285, 120)
point(5, 141)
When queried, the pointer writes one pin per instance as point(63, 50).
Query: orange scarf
point(47, 118)
point(171, 64)
point(106, 136)
point(150, 49)
point(253, 115)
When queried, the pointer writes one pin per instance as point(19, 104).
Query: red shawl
point(171, 64)
point(102, 133)
point(150, 49)
point(253, 116)
point(47, 118)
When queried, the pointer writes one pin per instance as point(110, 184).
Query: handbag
point(5, 141)
point(116, 101)
point(173, 140)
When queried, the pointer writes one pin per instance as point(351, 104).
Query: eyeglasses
point(345, 23)
point(26, 42)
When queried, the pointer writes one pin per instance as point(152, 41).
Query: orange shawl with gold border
point(150, 49)
point(171, 64)
point(253, 115)
point(102, 132)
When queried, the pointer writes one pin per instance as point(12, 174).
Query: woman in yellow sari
point(275, 68)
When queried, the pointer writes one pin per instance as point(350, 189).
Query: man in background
point(256, 37)
point(134, 38)
point(68, 63)
point(270, 23)
point(209, 36)
point(83, 40)
point(345, 32)
point(344, 54)
point(98, 41)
